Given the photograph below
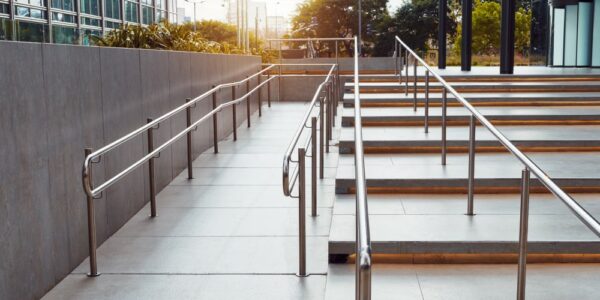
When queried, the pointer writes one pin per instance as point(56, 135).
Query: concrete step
point(468, 282)
point(533, 138)
point(480, 99)
point(480, 87)
point(575, 172)
point(435, 229)
point(459, 116)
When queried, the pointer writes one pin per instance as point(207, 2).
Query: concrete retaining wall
point(303, 89)
point(54, 101)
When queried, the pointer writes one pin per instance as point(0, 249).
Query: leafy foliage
point(486, 29)
point(337, 18)
point(209, 37)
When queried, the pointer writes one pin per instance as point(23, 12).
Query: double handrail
point(92, 157)
point(476, 116)
point(363, 235)
point(326, 98)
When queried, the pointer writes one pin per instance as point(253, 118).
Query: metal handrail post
point(406, 75)
point(322, 137)
point(401, 64)
point(523, 230)
point(302, 212)
point(313, 162)
point(427, 101)
point(330, 91)
point(471, 179)
point(259, 100)
point(444, 106)
point(248, 103)
point(91, 214)
point(215, 123)
point(415, 85)
point(279, 85)
point(234, 108)
point(188, 122)
point(151, 171)
point(269, 89)
point(337, 60)
point(395, 57)
point(327, 121)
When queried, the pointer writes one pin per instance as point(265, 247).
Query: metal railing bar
point(297, 135)
point(363, 239)
point(160, 148)
point(309, 39)
point(583, 215)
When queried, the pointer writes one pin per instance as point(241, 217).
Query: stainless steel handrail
point(93, 157)
point(327, 103)
point(585, 217)
point(363, 236)
point(296, 137)
point(87, 186)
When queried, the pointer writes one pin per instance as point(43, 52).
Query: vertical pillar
point(507, 37)
point(465, 55)
point(443, 8)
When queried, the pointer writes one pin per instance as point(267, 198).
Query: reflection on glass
point(596, 46)
point(584, 34)
point(558, 42)
point(571, 35)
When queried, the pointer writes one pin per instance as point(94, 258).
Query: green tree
point(337, 18)
point(486, 29)
point(416, 23)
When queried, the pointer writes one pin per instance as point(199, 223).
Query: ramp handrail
point(327, 105)
point(584, 216)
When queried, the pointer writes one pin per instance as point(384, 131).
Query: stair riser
point(479, 257)
point(489, 89)
point(464, 121)
point(495, 103)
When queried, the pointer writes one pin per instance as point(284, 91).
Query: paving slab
point(164, 286)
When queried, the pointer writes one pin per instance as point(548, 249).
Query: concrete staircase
point(417, 206)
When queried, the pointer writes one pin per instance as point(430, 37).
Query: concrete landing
point(494, 172)
point(414, 139)
point(376, 116)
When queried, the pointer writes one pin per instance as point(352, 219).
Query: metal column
point(467, 12)
point(443, 8)
point(507, 37)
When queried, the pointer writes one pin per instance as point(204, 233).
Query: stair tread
point(475, 83)
point(588, 133)
point(559, 166)
point(477, 96)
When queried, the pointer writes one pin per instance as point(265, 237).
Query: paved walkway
point(227, 234)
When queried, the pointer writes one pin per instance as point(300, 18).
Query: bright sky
point(217, 9)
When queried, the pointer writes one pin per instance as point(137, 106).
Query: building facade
point(74, 21)
point(575, 33)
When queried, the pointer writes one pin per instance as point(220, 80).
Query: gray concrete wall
point(54, 101)
point(303, 89)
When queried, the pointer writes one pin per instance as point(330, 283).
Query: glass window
point(147, 2)
point(161, 4)
point(112, 25)
point(558, 41)
point(32, 32)
point(65, 35)
point(147, 15)
point(4, 8)
point(162, 15)
point(64, 17)
point(112, 9)
point(596, 35)
point(131, 11)
point(89, 7)
point(570, 35)
point(22, 11)
point(90, 21)
point(584, 34)
point(86, 36)
point(5, 29)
